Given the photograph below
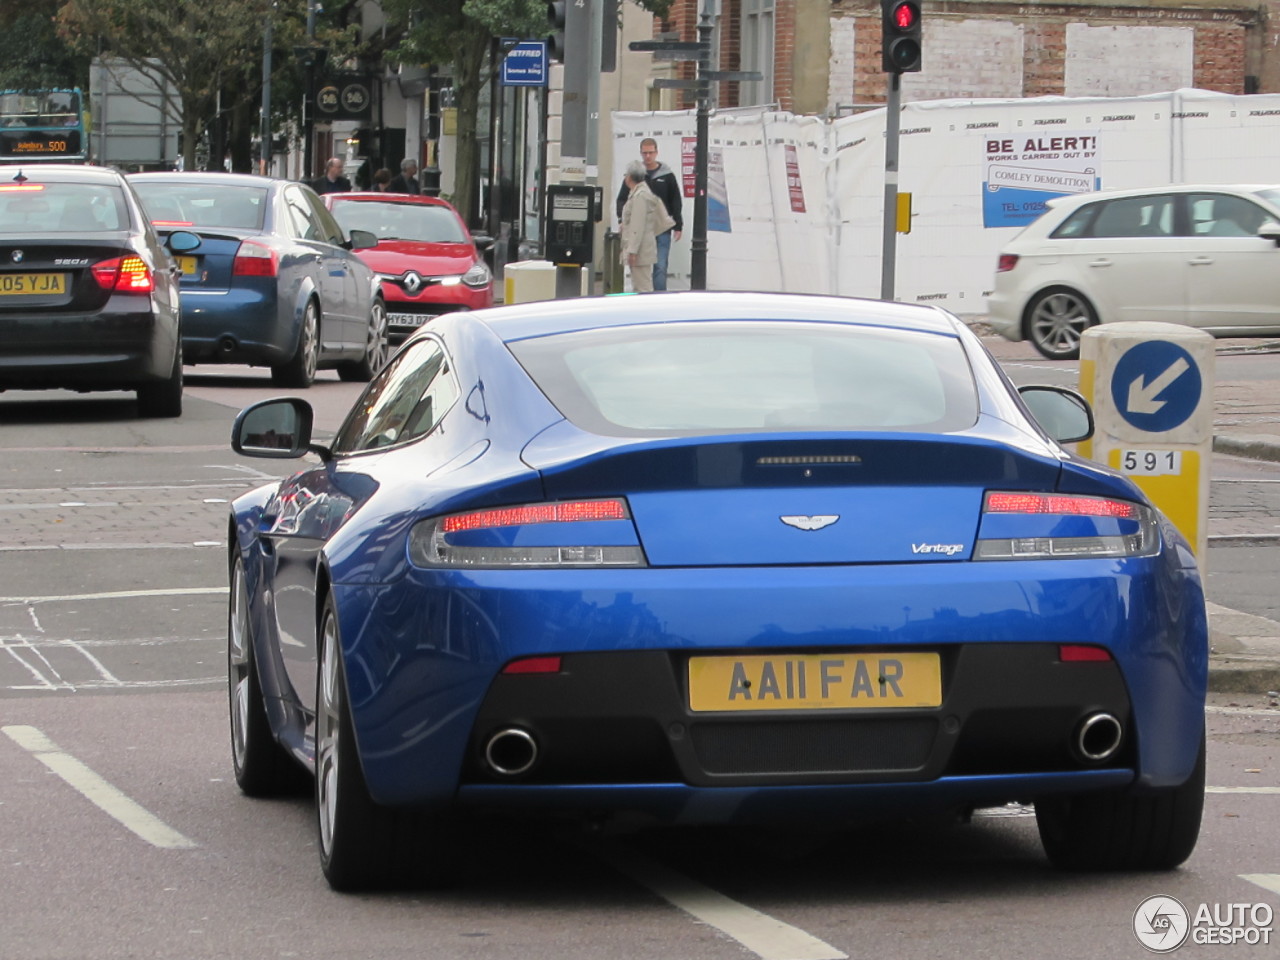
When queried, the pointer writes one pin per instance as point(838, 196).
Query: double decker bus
point(42, 125)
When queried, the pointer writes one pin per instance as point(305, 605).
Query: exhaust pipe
point(511, 751)
point(1097, 737)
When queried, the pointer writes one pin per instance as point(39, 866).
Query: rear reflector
point(533, 665)
point(255, 260)
point(1081, 653)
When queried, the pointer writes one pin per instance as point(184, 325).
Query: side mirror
point(181, 241)
point(1270, 231)
point(363, 240)
point(278, 429)
point(1063, 414)
point(482, 241)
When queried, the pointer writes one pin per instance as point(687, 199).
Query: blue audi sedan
point(275, 281)
point(709, 557)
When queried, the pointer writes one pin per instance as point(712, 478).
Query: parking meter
point(571, 216)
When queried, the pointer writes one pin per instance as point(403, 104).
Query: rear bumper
point(101, 351)
point(1004, 316)
point(425, 654)
point(235, 326)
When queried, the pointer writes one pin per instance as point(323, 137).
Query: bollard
point(528, 280)
point(1151, 387)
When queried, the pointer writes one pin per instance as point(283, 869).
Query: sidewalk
point(1244, 649)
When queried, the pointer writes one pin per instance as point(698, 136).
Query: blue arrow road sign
point(525, 65)
point(1156, 386)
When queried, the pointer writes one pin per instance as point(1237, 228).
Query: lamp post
point(264, 153)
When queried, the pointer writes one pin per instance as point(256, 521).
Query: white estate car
point(1205, 256)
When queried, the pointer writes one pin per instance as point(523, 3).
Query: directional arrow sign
point(1156, 386)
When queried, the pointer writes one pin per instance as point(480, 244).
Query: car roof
point(59, 173)
point(373, 196)
point(208, 176)
point(543, 318)
point(1081, 198)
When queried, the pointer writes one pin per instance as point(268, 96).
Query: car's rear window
point(733, 376)
point(422, 222)
point(84, 208)
point(179, 204)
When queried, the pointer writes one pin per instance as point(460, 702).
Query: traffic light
point(555, 39)
point(900, 28)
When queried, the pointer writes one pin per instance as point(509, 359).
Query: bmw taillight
point(123, 275)
point(255, 260)
point(1052, 526)
point(575, 533)
point(1006, 262)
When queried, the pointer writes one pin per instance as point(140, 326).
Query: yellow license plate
point(187, 265)
point(815, 681)
point(26, 284)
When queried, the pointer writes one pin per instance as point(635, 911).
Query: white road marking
point(97, 791)
point(1266, 790)
point(120, 594)
point(1243, 712)
point(1268, 881)
point(760, 933)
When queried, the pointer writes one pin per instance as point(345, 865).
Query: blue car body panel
point(424, 647)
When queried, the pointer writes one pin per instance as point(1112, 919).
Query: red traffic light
point(905, 16)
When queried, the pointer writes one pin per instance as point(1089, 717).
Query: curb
point(1260, 446)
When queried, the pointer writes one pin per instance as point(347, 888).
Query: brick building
point(823, 56)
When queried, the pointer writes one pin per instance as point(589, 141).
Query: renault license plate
point(409, 319)
point(815, 681)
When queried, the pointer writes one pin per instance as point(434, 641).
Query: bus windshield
point(41, 125)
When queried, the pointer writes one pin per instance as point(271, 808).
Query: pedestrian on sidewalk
point(407, 180)
point(643, 218)
point(332, 180)
point(664, 184)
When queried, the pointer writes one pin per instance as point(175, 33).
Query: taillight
point(255, 260)
point(1006, 262)
point(1049, 526)
point(123, 275)
point(530, 535)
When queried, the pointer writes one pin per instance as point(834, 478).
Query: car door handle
point(1100, 262)
point(1201, 261)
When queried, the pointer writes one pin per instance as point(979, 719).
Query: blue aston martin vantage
point(709, 557)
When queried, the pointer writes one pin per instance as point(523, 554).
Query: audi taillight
point(255, 260)
point(123, 275)
point(574, 533)
point(1006, 262)
point(1047, 526)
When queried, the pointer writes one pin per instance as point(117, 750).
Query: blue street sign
point(1156, 386)
point(525, 65)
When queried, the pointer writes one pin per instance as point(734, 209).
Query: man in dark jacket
point(666, 186)
point(332, 181)
point(406, 181)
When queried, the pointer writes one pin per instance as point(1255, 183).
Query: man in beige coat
point(643, 218)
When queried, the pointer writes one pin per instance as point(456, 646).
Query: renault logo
point(16, 256)
point(810, 523)
point(412, 283)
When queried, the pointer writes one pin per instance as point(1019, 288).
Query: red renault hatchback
point(427, 260)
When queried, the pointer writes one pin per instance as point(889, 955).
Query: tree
point(197, 47)
point(32, 55)
point(464, 35)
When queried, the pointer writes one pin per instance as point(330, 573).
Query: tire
point(1054, 321)
point(262, 767)
point(164, 397)
point(300, 370)
point(375, 348)
point(1124, 830)
point(364, 846)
